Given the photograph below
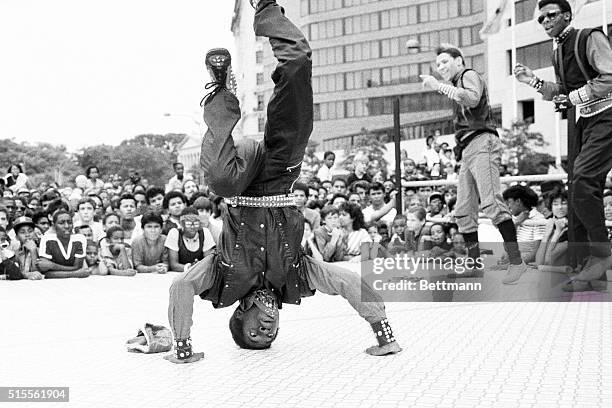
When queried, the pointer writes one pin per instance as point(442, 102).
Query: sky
point(87, 72)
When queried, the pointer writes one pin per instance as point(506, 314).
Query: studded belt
point(281, 200)
point(592, 108)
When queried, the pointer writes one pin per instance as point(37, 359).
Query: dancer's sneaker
point(595, 268)
point(514, 273)
point(219, 65)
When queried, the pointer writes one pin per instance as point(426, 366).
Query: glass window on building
point(453, 36)
point(384, 19)
point(478, 63)
point(386, 76)
point(304, 7)
point(261, 123)
point(425, 68)
point(339, 58)
point(423, 13)
point(314, 6)
point(394, 46)
point(258, 57)
point(260, 102)
point(375, 77)
point(349, 79)
point(338, 27)
point(524, 10)
point(395, 75)
point(433, 11)
point(259, 79)
point(314, 31)
point(357, 52)
point(403, 16)
point(350, 109)
point(340, 109)
point(466, 36)
point(424, 40)
point(374, 25)
point(374, 49)
point(475, 34)
point(348, 25)
point(465, 7)
point(413, 15)
point(453, 8)
point(349, 54)
point(478, 6)
point(323, 111)
point(316, 111)
point(385, 48)
point(394, 17)
point(322, 30)
point(443, 9)
point(434, 38)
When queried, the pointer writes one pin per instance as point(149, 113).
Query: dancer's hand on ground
point(391, 348)
point(195, 357)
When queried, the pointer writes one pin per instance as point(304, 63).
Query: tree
point(370, 145)
point(41, 161)
point(521, 147)
point(151, 155)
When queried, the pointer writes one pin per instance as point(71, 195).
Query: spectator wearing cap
point(522, 202)
point(26, 252)
point(190, 243)
point(325, 171)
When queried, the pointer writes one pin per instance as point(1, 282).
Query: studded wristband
point(536, 83)
point(383, 332)
point(182, 348)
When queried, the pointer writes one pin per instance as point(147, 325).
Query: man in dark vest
point(479, 149)
point(259, 262)
point(583, 66)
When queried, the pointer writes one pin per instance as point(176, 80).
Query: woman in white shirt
point(353, 226)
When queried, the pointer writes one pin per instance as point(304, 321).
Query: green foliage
point(370, 145)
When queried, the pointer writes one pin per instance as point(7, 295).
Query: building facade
point(533, 49)
point(361, 63)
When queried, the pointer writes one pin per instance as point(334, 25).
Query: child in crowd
point(84, 230)
point(149, 254)
point(85, 217)
point(190, 243)
point(110, 220)
point(308, 242)
point(117, 256)
point(41, 225)
point(436, 242)
point(92, 258)
point(62, 253)
point(373, 232)
point(328, 236)
point(127, 211)
point(205, 208)
point(401, 241)
point(174, 202)
point(553, 247)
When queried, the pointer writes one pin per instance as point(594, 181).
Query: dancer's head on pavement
point(254, 324)
point(449, 61)
point(555, 16)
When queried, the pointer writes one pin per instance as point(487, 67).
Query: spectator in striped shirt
point(530, 225)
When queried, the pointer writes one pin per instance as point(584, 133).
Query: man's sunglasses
point(190, 224)
point(551, 15)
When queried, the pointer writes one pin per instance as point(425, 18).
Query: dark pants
point(592, 164)
point(268, 168)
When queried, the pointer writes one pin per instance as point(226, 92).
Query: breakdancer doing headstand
point(259, 261)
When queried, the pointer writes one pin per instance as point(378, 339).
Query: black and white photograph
point(306, 203)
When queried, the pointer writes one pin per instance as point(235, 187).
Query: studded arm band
point(536, 83)
point(182, 348)
point(579, 96)
point(383, 332)
point(448, 90)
